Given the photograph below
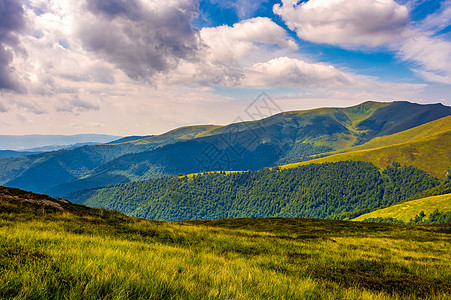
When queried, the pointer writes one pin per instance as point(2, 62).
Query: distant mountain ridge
point(11, 153)
point(283, 138)
point(28, 142)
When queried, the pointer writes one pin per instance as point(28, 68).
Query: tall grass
point(98, 254)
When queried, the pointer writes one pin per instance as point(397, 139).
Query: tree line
point(328, 190)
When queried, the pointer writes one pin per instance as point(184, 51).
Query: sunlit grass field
point(408, 210)
point(431, 155)
point(84, 253)
point(426, 147)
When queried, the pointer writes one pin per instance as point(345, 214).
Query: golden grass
point(98, 254)
point(432, 155)
point(408, 210)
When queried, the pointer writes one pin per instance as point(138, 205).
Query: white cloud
point(423, 45)
point(227, 43)
point(3, 108)
point(343, 22)
point(369, 23)
point(290, 72)
point(431, 54)
point(228, 49)
point(438, 20)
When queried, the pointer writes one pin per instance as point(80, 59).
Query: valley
point(280, 139)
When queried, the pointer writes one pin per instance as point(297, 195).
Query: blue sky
point(147, 66)
point(380, 62)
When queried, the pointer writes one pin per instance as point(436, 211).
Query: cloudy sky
point(138, 67)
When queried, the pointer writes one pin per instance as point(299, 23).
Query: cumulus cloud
point(11, 21)
point(368, 23)
point(343, 22)
point(291, 72)
point(228, 43)
point(99, 74)
point(141, 37)
point(30, 106)
point(228, 49)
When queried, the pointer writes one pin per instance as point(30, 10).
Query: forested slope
point(315, 191)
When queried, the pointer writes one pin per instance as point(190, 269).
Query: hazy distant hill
point(10, 153)
point(280, 139)
point(23, 142)
point(42, 171)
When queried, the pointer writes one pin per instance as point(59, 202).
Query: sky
point(141, 67)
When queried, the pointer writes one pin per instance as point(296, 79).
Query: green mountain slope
point(314, 191)
point(183, 133)
point(72, 251)
point(286, 137)
point(280, 139)
point(408, 210)
point(426, 147)
point(398, 117)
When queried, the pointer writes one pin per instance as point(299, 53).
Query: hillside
point(81, 252)
point(408, 210)
point(67, 165)
point(416, 134)
point(314, 191)
point(282, 138)
point(426, 147)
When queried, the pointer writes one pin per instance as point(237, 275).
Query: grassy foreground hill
point(408, 210)
point(52, 249)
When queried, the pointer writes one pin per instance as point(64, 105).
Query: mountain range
point(40, 143)
point(289, 137)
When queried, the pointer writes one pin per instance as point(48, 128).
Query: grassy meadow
point(425, 147)
point(431, 155)
point(408, 210)
point(67, 251)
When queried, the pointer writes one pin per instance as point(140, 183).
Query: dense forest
point(312, 191)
